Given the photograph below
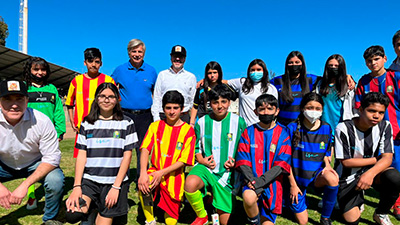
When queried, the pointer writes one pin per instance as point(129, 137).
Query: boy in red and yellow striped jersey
point(82, 88)
point(170, 144)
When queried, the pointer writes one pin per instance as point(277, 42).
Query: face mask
point(256, 76)
point(37, 79)
point(295, 69)
point(266, 118)
point(333, 72)
point(312, 115)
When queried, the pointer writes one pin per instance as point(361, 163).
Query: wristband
point(78, 185)
point(118, 188)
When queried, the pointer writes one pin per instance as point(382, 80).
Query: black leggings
point(389, 189)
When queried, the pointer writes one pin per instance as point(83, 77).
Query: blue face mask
point(256, 76)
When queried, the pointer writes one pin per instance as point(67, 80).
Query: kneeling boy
point(364, 146)
point(218, 135)
point(263, 157)
point(170, 145)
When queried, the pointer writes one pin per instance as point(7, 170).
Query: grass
point(18, 215)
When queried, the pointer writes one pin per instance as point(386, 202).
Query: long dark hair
point(340, 80)
point(249, 83)
point(94, 113)
point(311, 96)
point(206, 86)
point(286, 92)
point(40, 62)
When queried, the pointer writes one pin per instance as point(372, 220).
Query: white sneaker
point(151, 223)
point(31, 204)
point(382, 219)
point(362, 208)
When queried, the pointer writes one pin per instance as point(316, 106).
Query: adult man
point(29, 149)
point(136, 80)
point(175, 78)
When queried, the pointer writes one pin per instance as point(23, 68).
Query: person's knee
point(331, 179)
point(391, 178)
point(249, 197)
point(75, 217)
point(54, 181)
point(192, 183)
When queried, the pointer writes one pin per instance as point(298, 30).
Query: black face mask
point(295, 69)
point(37, 79)
point(333, 72)
point(266, 118)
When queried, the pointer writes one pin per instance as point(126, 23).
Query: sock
point(329, 200)
point(255, 220)
point(147, 210)
point(31, 191)
point(196, 201)
point(170, 220)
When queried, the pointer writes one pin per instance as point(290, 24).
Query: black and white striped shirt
point(105, 142)
point(350, 142)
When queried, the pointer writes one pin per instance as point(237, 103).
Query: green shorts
point(223, 199)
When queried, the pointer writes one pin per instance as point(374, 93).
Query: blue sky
point(232, 33)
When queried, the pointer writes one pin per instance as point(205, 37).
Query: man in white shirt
point(175, 78)
point(28, 149)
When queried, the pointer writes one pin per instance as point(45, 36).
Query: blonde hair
point(135, 43)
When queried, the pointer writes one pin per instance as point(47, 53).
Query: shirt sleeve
point(131, 139)
point(192, 91)
point(199, 146)
point(187, 153)
point(243, 156)
point(48, 144)
point(70, 101)
point(196, 100)
point(285, 152)
point(342, 147)
point(157, 99)
point(81, 142)
point(236, 84)
point(386, 142)
point(359, 94)
point(59, 115)
point(148, 140)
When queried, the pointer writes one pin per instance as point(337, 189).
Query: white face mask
point(312, 115)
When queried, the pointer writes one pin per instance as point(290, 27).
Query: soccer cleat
point(382, 219)
point(31, 204)
point(325, 221)
point(396, 211)
point(200, 221)
point(151, 223)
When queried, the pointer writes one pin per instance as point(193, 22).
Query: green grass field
point(18, 215)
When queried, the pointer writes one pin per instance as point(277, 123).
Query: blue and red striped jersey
point(261, 150)
point(389, 85)
point(308, 155)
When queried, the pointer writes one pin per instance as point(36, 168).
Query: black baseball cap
point(178, 50)
point(9, 87)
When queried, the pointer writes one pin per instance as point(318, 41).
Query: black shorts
point(348, 196)
point(98, 192)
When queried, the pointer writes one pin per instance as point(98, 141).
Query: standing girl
point(249, 88)
point(311, 151)
point(44, 98)
point(105, 142)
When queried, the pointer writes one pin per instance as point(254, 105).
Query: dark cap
point(10, 87)
point(178, 50)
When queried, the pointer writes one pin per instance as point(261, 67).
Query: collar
point(180, 71)
point(26, 116)
point(397, 61)
point(131, 67)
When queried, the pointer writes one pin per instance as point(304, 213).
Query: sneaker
point(382, 219)
point(396, 211)
point(325, 221)
point(151, 223)
point(200, 221)
point(362, 208)
point(31, 204)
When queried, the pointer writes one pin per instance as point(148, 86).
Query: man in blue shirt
point(136, 80)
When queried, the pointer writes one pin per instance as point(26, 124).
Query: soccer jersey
point(105, 142)
point(168, 145)
point(220, 139)
point(261, 150)
point(350, 143)
point(289, 111)
point(308, 156)
point(46, 100)
point(81, 94)
point(389, 85)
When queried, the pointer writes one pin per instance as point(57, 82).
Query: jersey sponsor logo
point(90, 135)
point(116, 134)
point(300, 145)
point(165, 155)
point(322, 145)
point(310, 155)
point(389, 89)
point(207, 136)
point(294, 95)
point(179, 146)
point(260, 161)
point(272, 148)
point(253, 146)
point(230, 135)
point(102, 141)
point(42, 99)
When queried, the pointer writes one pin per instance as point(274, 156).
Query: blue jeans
point(53, 185)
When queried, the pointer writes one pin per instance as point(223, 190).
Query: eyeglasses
point(104, 97)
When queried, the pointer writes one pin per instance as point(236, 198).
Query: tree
point(3, 31)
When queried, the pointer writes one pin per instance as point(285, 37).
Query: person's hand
point(112, 197)
point(250, 185)
point(230, 163)
point(294, 193)
point(4, 197)
point(365, 181)
point(200, 83)
point(18, 194)
point(157, 175)
point(328, 169)
point(209, 162)
point(144, 184)
point(351, 84)
point(72, 202)
point(75, 128)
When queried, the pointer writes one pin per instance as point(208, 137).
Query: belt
point(137, 112)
